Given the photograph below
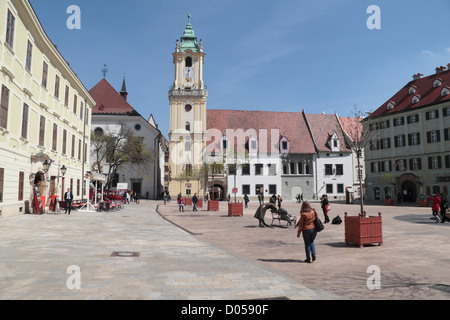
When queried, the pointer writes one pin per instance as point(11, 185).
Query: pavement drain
point(124, 254)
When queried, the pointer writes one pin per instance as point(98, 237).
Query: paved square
point(210, 256)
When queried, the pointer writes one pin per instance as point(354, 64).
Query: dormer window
point(445, 91)
point(391, 105)
point(412, 89)
point(284, 145)
point(334, 143)
point(415, 99)
point(437, 83)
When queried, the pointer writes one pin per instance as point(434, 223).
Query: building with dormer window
point(417, 163)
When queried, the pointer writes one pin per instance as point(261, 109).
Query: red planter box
point(389, 202)
point(188, 202)
point(235, 209)
point(213, 205)
point(200, 203)
point(424, 203)
point(363, 231)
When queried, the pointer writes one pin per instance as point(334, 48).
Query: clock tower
point(187, 135)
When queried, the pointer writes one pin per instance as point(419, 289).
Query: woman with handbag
point(308, 216)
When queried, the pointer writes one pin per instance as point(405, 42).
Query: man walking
point(68, 198)
point(194, 201)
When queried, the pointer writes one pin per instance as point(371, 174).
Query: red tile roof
point(353, 127)
point(291, 125)
point(425, 90)
point(109, 101)
point(323, 126)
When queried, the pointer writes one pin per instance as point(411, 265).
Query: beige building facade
point(409, 154)
point(44, 116)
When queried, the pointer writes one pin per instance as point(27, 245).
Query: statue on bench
point(261, 212)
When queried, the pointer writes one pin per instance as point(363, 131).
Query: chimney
point(440, 69)
point(417, 76)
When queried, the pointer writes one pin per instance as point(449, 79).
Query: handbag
point(318, 224)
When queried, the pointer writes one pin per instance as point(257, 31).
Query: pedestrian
point(273, 199)
point(260, 199)
point(325, 205)
point(444, 207)
point(180, 203)
point(435, 207)
point(301, 198)
point(165, 197)
point(68, 198)
point(279, 201)
point(306, 226)
point(128, 198)
point(194, 201)
point(246, 200)
point(137, 197)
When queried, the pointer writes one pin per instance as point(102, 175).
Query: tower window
point(188, 108)
point(188, 62)
point(188, 126)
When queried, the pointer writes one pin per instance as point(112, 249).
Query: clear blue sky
point(285, 55)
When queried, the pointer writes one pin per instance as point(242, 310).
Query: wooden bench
point(283, 217)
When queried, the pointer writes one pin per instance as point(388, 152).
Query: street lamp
point(63, 170)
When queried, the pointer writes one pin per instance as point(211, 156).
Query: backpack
point(336, 220)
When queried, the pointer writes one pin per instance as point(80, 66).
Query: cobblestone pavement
point(413, 261)
point(46, 257)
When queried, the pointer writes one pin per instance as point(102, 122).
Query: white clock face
point(188, 73)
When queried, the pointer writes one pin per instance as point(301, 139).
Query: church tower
point(187, 135)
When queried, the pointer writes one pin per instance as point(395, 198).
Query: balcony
point(188, 93)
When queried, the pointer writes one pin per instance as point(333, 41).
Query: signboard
point(235, 190)
point(37, 198)
point(122, 186)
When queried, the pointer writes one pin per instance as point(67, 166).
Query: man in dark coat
point(194, 201)
point(68, 198)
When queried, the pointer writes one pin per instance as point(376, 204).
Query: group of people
point(181, 201)
point(439, 203)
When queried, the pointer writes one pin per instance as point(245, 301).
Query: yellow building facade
point(188, 97)
point(44, 116)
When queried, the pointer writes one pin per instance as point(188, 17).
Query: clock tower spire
point(187, 97)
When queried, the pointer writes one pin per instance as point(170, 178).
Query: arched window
point(188, 62)
point(285, 169)
point(307, 169)
point(188, 126)
point(300, 168)
point(292, 165)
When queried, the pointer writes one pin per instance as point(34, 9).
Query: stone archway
point(409, 186)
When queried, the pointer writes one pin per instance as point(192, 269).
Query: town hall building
point(230, 153)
